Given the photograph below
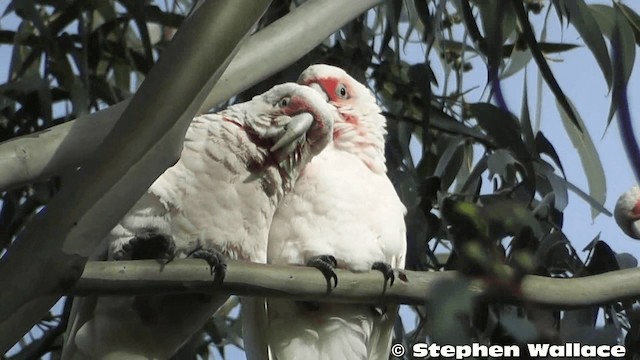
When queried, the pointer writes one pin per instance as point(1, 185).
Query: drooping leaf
point(582, 19)
point(502, 162)
point(594, 203)
point(602, 259)
point(544, 146)
point(632, 17)
point(450, 162)
point(525, 119)
point(545, 71)
point(517, 62)
point(500, 125)
point(589, 157)
point(604, 15)
point(625, 53)
point(559, 186)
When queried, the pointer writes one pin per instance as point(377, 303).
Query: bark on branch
point(304, 283)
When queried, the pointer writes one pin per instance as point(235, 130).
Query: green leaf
point(544, 146)
point(518, 60)
point(545, 71)
point(487, 11)
point(525, 119)
point(450, 162)
point(554, 48)
point(444, 122)
point(585, 23)
point(501, 126)
point(623, 36)
point(632, 17)
point(559, 186)
point(474, 179)
point(589, 157)
point(136, 10)
point(595, 204)
point(605, 17)
point(501, 162)
point(153, 14)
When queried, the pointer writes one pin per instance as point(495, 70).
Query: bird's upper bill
point(634, 221)
point(294, 131)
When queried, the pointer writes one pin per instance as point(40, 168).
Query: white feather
point(220, 195)
point(342, 205)
point(627, 212)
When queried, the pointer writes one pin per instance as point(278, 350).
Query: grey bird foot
point(326, 264)
point(150, 245)
point(216, 261)
point(386, 270)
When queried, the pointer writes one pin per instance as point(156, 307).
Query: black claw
point(150, 245)
point(216, 261)
point(326, 264)
point(386, 270)
point(379, 310)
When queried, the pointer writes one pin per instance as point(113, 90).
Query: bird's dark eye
point(341, 91)
point(284, 102)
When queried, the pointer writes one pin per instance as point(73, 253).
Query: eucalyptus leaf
point(589, 157)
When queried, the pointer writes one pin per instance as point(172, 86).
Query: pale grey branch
point(305, 283)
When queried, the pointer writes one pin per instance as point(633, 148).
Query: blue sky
point(580, 78)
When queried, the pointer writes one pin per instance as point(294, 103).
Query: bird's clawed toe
point(386, 270)
point(216, 262)
point(379, 310)
point(149, 245)
point(326, 264)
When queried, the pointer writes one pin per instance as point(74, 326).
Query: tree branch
point(50, 254)
point(46, 153)
point(305, 283)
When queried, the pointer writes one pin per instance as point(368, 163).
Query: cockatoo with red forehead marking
point(627, 212)
point(216, 202)
point(343, 211)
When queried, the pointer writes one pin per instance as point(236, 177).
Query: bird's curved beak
point(315, 86)
point(294, 131)
point(634, 226)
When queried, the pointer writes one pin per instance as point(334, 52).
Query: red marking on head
point(635, 212)
point(329, 86)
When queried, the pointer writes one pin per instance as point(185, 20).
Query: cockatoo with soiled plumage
point(627, 212)
point(343, 212)
point(216, 202)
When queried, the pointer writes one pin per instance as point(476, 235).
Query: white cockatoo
point(343, 212)
point(627, 212)
point(216, 202)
